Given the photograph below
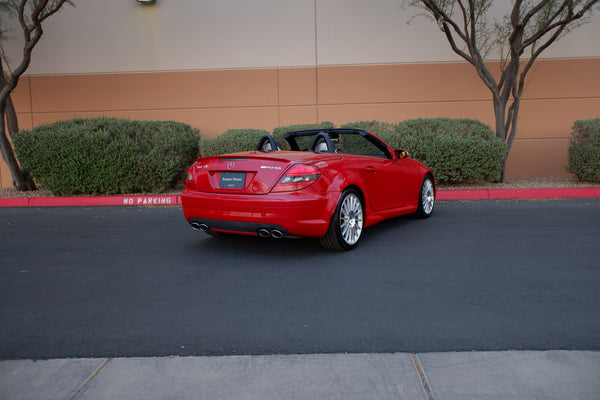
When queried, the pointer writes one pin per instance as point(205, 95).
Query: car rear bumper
point(302, 213)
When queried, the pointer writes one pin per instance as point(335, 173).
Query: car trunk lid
point(246, 173)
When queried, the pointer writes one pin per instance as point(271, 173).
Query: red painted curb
point(500, 194)
point(21, 202)
point(170, 200)
point(462, 194)
point(143, 200)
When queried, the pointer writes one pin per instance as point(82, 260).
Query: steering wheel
point(317, 142)
point(268, 143)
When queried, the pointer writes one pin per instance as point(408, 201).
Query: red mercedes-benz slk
point(331, 185)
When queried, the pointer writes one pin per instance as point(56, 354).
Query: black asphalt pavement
point(124, 282)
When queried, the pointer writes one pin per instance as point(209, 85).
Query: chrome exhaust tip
point(277, 234)
point(199, 226)
point(204, 227)
point(195, 225)
point(264, 233)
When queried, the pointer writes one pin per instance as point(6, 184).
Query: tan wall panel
point(297, 115)
point(154, 91)
point(575, 78)
point(20, 96)
point(5, 178)
point(22, 101)
point(25, 120)
point(214, 101)
point(553, 118)
point(538, 157)
point(297, 86)
point(213, 122)
point(399, 83)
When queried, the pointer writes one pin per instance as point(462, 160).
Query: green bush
point(383, 130)
point(584, 150)
point(282, 130)
point(456, 150)
point(231, 141)
point(107, 155)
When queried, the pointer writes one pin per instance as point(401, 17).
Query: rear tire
point(426, 198)
point(346, 223)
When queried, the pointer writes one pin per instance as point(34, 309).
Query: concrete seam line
point(422, 376)
point(90, 379)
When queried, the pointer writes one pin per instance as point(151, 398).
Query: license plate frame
point(232, 180)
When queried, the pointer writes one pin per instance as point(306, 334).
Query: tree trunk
point(21, 179)
point(12, 125)
point(500, 115)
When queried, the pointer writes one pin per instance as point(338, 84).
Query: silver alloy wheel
point(427, 196)
point(351, 218)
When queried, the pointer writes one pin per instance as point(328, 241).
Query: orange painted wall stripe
point(558, 93)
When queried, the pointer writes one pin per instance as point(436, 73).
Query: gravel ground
point(511, 183)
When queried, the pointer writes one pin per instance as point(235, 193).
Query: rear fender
point(333, 181)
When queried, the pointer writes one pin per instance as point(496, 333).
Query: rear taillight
point(298, 177)
point(189, 179)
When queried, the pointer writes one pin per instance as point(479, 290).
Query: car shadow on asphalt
point(389, 230)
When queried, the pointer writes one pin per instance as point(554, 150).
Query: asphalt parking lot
point(135, 282)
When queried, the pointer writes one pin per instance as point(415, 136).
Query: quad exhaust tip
point(277, 234)
point(200, 227)
point(264, 233)
point(274, 233)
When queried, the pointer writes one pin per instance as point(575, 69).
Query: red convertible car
point(331, 185)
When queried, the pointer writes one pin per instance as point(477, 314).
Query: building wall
point(224, 64)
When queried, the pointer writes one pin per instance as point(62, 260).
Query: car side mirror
point(400, 154)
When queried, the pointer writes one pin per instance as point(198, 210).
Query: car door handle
point(371, 169)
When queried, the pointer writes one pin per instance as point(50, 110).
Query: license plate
point(232, 180)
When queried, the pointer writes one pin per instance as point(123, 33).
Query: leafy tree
point(518, 37)
point(29, 15)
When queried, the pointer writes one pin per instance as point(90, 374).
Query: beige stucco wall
point(111, 36)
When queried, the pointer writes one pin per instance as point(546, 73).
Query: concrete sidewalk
point(522, 375)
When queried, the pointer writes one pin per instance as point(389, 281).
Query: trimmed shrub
point(231, 141)
point(107, 155)
point(456, 150)
point(584, 150)
point(282, 130)
point(383, 130)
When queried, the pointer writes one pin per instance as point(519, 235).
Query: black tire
point(346, 223)
point(426, 198)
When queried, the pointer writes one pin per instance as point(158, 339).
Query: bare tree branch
point(550, 26)
point(30, 15)
point(528, 23)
